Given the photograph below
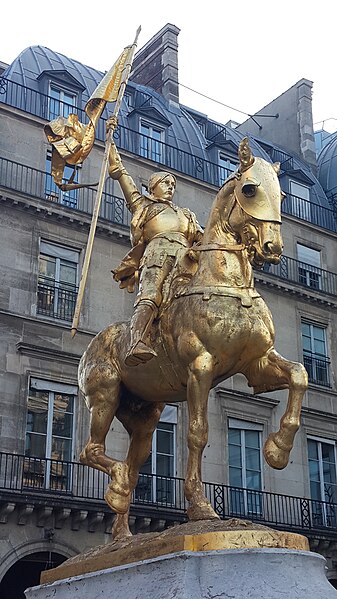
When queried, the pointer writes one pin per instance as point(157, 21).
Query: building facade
point(52, 507)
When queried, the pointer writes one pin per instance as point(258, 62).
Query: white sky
point(241, 54)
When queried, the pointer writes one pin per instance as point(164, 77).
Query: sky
point(241, 54)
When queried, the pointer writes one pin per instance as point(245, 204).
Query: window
point(226, 167)
point(151, 142)
point(309, 273)
point(57, 280)
point(156, 484)
point(54, 193)
point(300, 200)
point(49, 435)
point(323, 483)
point(245, 473)
point(315, 357)
point(61, 102)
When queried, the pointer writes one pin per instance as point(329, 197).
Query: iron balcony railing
point(37, 184)
point(317, 367)
point(303, 274)
point(32, 182)
point(56, 300)
point(37, 478)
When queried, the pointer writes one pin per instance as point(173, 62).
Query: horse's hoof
point(202, 511)
point(275, 456)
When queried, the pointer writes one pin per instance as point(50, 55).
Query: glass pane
point(253, 480)
point(330, 493)
point(47, 266)
point(252, 439)
point(234, 453)
point(253, 459)
point(234, 436)
point(147, 467)
point(235, 477)
point(312, 449)
point(314, 470)
point(37, 415)
point(164, 465)
point(62, 415)
point(315, 490)
point(61, 449)
point(35, 445)
point(165, 442)
point(328, 452)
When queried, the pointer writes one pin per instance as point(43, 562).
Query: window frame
point(320, 510)
point(224, 169)
point(38, 471)
point(314, 360)
point(247, 501)
point(151, 152)
point(301, 205)
point(151, 488)
point(65, 108)
point(56, 290)
point(309, 272)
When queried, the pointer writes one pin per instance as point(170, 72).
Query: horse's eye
point(249, 190)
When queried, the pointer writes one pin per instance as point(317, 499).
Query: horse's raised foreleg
point(102, 398)
point(198, 386)
point(140, 425)
point(275, 372)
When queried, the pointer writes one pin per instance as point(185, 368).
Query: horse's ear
point(277, 167)
point(245, 155)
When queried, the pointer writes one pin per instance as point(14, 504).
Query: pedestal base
point(238, 574)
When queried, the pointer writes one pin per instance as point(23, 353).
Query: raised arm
point(118, 172)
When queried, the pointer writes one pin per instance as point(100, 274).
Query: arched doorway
point(26, 573)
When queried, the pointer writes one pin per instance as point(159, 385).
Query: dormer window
point(61, 102)
point(151, 141)
point(226, 167)
point(300, 199)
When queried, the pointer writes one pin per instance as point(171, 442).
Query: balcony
point(57, 483)
point(171, 157)
point(55, 299)
point(317, 368)
point(37, 184)
point(305, 275)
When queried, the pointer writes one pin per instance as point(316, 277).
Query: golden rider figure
point(158, 230)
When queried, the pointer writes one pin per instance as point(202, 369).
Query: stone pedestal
point(238, 574)
point(197, 560)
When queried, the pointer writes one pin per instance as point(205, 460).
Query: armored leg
point(141, 321)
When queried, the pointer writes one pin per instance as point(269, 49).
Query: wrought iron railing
point(317, 368)
point(304, 274)
point(56, 300)
point(37, 184)
point(37, 478)
point(308, 211)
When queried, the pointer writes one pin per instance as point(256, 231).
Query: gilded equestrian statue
point(211, 324)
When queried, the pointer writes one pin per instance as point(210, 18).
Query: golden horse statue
point(213, 325)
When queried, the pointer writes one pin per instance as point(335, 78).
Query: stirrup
point(139, 354)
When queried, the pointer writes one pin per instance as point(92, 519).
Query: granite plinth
point(230, 573)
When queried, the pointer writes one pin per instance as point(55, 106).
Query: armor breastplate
point(169, 220)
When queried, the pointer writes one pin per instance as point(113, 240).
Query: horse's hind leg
point(140, 425)
point(102, 398)
point(275, 372)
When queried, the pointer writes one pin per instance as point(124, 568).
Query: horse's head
point(258, 193)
